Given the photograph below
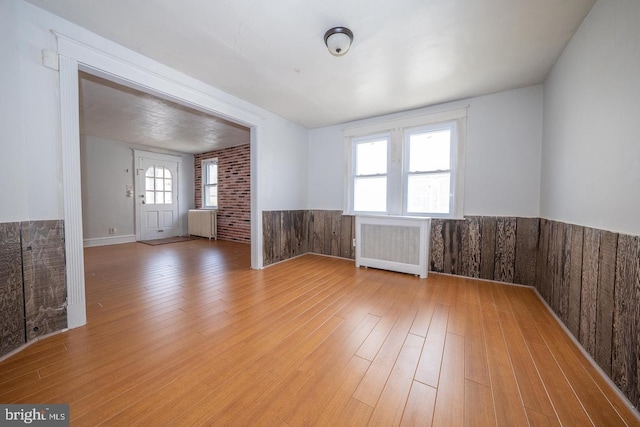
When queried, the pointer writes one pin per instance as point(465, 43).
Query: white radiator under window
point(393, 243)
point(202, 222)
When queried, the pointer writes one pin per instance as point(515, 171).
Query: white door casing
point(107, 60)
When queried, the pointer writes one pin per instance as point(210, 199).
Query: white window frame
point(453, 128)
point(397, 160)
point(363, 140)
point(205, 182)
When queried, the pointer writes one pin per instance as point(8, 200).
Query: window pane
point(211, 196)
point(212, 173)
point(149, 172)
point(159, 184)
point(167, 198)
point(148, 184)
point(430, 151)
point(370, 194)
point(371, 157)
point(159, 172)
point(167, 173)
point(167, 184)
point(148, 197)
point(428, 193)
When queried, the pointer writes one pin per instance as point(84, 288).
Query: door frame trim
point(131, 69)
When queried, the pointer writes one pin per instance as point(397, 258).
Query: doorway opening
point(136, 73)
point(123, 133)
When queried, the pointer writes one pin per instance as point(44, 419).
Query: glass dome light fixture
point(338, 40)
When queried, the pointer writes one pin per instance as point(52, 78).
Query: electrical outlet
point(354, 243)
point(112, 231)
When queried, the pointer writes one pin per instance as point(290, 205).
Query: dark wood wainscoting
point(287, 234)
point(493, 248)
point(33, 285)
point(591, 279)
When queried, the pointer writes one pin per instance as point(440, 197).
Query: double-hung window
point(410, 166)
point(370, 173)
point(210, 184)
point(428, 169)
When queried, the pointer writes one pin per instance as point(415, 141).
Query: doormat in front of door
point(156, 242)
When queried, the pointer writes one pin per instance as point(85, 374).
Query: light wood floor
point(187, 334)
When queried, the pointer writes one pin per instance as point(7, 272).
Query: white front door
point(157, 198)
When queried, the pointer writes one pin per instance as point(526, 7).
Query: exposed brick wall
point(234, 191)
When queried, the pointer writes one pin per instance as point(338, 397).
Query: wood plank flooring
point(187, 334)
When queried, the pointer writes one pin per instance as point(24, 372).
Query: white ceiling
point(119, 113)
point(406, 53)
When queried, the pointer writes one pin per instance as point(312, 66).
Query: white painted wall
point(282, 162)
point(13, 173)
point(591, 147)
point(107, 167)
point(326, 168)
point(502, 174)
point(40, 119)
point(504, 136)
point(30, 133)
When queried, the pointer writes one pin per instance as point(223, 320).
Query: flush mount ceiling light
point(338, 40)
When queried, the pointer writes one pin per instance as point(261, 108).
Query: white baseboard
point(110, 240)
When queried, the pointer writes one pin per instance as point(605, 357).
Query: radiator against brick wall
point(203, 223)
point(393, 243)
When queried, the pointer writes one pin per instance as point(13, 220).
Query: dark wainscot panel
point(591, 279)
point(33, 286)
point(45, 284)
point(492, 248)
point(287, 234)
point(12, 326)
